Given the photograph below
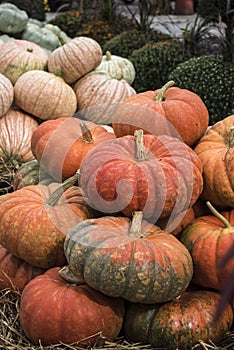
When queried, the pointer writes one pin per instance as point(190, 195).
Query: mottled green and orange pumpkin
point(53, 311)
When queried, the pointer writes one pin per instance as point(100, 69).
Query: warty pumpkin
point(44, 95)
point(35, 219)
point(15, 273)
point(208, 239)
point(216, 152)
point(129, 258)
point(53, 311)
point(179, 324)
point(160, 176)
point(62, 159)
point(19, 56)
point(183, 110)
point(6, 94)
point(75, 58)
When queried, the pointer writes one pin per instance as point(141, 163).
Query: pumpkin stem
point(231, 138)
point(29, 49)
point(135, 229)
point(139, 145)
point(86, 133)
point(108, 56)
point(218, 215)
point(54, 197)
point(160, 96)
point(70, 277)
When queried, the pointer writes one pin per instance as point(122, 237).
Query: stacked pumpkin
point(104, 244)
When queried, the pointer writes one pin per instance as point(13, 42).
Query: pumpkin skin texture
point(160, 176)
point(178, 324)
point(183, 109)
point(98, 93)
point(20, 56)
point(134, 260)
point(54, 311)
point(208, 241)
point(84, 53)
point(62, 160)
point(6, 94)
point(16, 129)
point(34, 225)
point(215, 150)
point(15, 273)
point(12, 19)
point(44, 95)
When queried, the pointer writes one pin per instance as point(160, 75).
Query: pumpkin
point(62, 160)
point(53, 311)
point(6, 94)
point(15, 273)
point(178, 324)
point(216, 151)
point(30, 173)
point(61, 35)
point(117, 66)
point(128, 258)
point(84, 53)
point(12, 19)
point(98, 93)
point(20, 56)
point(41, 36)
point(35, 219)
point(183, 110)
point(44, 95)
point(160, 176)
point(208, 238)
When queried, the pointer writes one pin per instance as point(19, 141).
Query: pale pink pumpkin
point(19, 56)
point(6, 94)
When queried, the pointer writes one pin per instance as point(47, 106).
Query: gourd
point(127, 258)
point(53, 311)
point(20, 56)
point(182, 109)
point(118, 67)
point(41, 36)
point(6, 94)
point(45, 95)
point(12, 19)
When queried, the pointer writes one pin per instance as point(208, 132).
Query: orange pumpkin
point(6, 94)
point(44, 95)
point(19, 56)
point(183, 110)
point(62, 159)
point(216, 152)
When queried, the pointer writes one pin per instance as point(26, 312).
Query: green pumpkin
point(41, 36)
point(62, 36)
point(12, 19)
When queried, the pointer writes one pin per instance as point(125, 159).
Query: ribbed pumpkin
point(183, 109)
point(6, 94)
point(20, 56)
point(15, 273)
point(208, 239)
point(62, 159)
point(161, 176)
point(178, 324)
point(97, 94)
point(45, 95)
point(12, 19)
point(34, 221)
point(216, 152)
point(53, 311)
point(128, 258)
point(117, 66)
point(76, 58)
point(30, 173)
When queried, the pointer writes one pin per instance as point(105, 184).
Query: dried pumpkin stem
point(160, 96)
point(135, 229)
point(139, 146)
point(54, 197)
point(218, 215)
point(108, 56)
point(231, 138)
point(86, 133)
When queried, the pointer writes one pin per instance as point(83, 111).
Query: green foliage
point(214, 8)
point(126, 42)
point(153, 62)
point(212, 79)
point(34, 8)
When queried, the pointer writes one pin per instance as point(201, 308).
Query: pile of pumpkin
point(122, 204)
